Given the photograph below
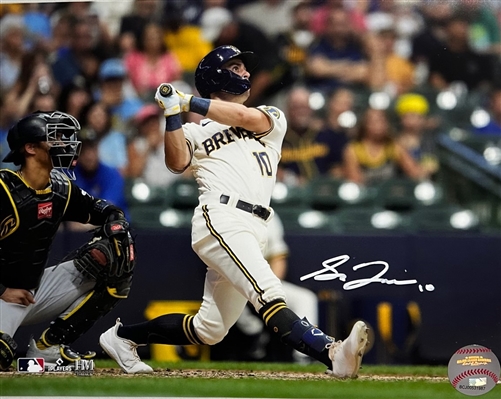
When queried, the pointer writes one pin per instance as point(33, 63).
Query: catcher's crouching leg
point(109, 259)
point(96, 304)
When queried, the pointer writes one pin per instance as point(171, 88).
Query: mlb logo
point(31, 365)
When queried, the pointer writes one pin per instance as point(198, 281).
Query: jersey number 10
point(264, 162)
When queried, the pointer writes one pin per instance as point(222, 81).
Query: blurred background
point(393, 153)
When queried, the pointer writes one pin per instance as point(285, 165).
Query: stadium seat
point(326, 194)
point(304, 219)
point(401, 194)
point(444, 219)
point(368, 220)
point(285, 197)
point(159, 217)
point(183, 194)
point(139, 193)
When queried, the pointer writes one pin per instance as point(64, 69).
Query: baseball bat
point(165, 90)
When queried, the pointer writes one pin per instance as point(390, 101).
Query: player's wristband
point(173, 122)
point(199, 105)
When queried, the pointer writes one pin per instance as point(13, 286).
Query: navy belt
point(258, 210)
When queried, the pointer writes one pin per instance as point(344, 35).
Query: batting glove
point(170, 102)
point(184, 100)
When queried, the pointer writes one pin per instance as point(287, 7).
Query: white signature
point(331, 264)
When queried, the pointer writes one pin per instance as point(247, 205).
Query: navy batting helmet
point(210, 78)
point(58, 128)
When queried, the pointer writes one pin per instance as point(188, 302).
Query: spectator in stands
point(272, 17)
point(132, 24)
point(5, 125)
point(112, 146)
point(301, 300)
point(355, 15)
point(338, 58)
point(339, 122)
point(457, 61)
point(397, 76)
point(86, 11)
point(61, 33)
point(484, 31)
point(151, 64)
point(406, 23)
point(412, 110)
point(494, 125)
point(431, 39)
point(38, 26)
point(35, 77)
point(112, 12)
point(72, 62)
point(220, 27)
point(122, 104)
point(185, 41)
point(374, 156)
point(96, 178)
point(146, 149)
point(300, 149)
point(43, 102)
point(75, 97)
point(293, 44)
point(12, 36)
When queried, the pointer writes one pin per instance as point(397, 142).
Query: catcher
point(34, 201)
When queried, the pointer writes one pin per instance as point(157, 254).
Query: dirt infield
point(240, 374)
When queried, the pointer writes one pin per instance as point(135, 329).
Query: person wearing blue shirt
point(337, 59)
point(493, 127)
point(98, 179)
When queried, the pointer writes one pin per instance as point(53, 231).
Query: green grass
point(50, 385)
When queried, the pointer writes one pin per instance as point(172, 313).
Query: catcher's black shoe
point(52, 354)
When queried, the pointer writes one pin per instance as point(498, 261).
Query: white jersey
point(231, 160)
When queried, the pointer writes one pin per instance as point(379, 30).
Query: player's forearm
point(177, 155)
point(239, 115)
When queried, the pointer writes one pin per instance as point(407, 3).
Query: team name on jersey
point(226, 137)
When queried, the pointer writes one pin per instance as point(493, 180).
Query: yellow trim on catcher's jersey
point(14, 207)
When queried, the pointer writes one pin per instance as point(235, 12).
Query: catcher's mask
point(58, 129)
point(210, 77)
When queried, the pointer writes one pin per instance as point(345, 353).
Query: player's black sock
point(169, 329)
point(290, 328)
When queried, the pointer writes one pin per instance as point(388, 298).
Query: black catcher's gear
point(57, 128)
point(28, 223)
point(110, 255)
point(99, 302)
point(29, 220)
point(8, 349)
point(211, 78)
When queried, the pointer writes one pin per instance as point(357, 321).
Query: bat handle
point(165, 90)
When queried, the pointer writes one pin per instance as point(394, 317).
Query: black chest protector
point(35, 217)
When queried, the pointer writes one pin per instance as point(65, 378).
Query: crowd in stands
point(101, 61)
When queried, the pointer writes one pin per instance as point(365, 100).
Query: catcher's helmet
point(210, 78)
point(57, 128)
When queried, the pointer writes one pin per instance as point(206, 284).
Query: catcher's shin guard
point(96, 304)
point(8, 349)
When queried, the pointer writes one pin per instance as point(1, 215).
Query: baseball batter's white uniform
point(230, 165)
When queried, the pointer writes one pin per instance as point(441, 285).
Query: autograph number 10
point(330, 272)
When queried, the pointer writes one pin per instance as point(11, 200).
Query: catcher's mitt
point(110, 254)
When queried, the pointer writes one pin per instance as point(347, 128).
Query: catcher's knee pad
point(95, 305)
point(8, 349)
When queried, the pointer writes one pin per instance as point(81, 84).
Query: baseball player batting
point(35, 200)
point(234, 154)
